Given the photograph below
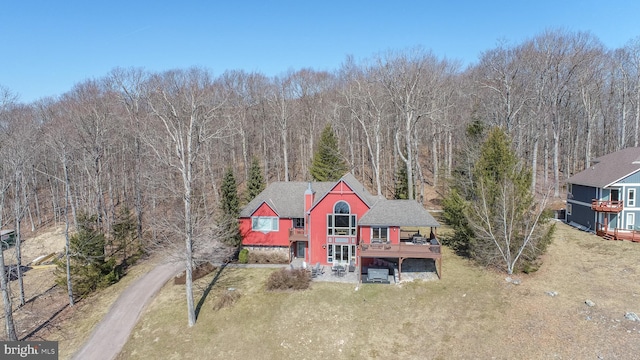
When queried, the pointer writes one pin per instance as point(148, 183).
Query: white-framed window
point(631, 219)
point(569, 188)
point(569, 208)
point(341, 254)
point(264, 223)
point(631, 197)
point(341, 222)
point(379, 234)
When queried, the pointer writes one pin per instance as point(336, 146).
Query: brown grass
point(199, 272)
point(470, 313)
point(227, 299)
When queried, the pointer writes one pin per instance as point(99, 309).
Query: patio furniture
point(338, 270)
point(317, 270)
point(352, 266)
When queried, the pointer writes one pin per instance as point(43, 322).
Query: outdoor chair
point(317, 270)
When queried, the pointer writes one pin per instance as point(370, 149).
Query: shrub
point(268, 257)
point(228, 298)
point(243, 256)
point(289, 279)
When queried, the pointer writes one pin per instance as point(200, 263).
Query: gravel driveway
point(110, 335)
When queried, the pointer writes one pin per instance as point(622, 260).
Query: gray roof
point(398, 213)
point(609, 169)
point(287, 198)
point(354, 184)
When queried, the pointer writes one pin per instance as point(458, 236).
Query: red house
point(338, 223)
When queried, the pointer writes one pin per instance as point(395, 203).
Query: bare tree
point(366, 103)
point(7, 99)
point(185, 104)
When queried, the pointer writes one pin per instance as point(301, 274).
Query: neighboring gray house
point(603, 197)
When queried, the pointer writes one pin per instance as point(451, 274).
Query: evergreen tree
point(124, 231)
point(230, 203)
point(256, 182)
point(230, 206)
point(90, 267)
point(453, 214)
point(498, 222)
point(402, 184)
point(328, 164)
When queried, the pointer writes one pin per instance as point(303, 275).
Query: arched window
point(340, 222)
point(341, 207)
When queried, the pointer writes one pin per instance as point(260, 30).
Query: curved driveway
point(110, 335)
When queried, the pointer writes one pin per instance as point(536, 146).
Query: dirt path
point(110, 335)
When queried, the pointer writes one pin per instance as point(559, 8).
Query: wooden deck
point(609, 206)
point(617, 234)
point(404, 250)
point(297, 234)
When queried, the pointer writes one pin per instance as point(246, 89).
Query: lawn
point(470, 313)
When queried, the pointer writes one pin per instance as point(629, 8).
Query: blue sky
point(48, 46)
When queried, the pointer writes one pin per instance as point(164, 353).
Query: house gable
point(343, 188)
point(633, 178)
point(277, 237)
point(265, 210)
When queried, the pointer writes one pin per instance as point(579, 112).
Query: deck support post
point(400, 268)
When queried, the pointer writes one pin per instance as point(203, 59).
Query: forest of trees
point(160, 143)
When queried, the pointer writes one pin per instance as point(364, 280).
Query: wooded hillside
point(126, 138)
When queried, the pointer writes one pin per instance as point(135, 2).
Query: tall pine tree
point(229, 202)
point(256, 182)
point(230, 206)
point(328, 164)
point(500, 217)
point(402, 184)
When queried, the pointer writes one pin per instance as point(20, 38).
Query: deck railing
point(404, 249)
point(607, 205)
point(296, 234)
point(617, 234)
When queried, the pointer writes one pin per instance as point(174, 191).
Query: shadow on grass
point(45, 324)
point(208, 289)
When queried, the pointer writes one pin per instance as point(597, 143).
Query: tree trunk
point(6, 297)
point(67, 248)
point(17, 208)
point(534, 164)
point(556, 165)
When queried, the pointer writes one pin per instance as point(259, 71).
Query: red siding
point(394, 234)
point(272, 238)
point(318, 225)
